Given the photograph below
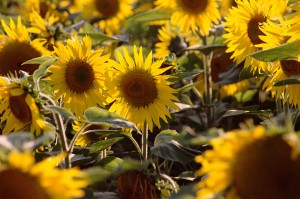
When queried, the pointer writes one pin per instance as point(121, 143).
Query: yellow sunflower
point(276, 34)
point(171, 41)
point(225, 5)
point(42, 27)
point(19, 109)
point(191, 15)
point(250, 163)
point(242, 27)
point(112, 13)
point(87, 138)
point(78, 77)
point(23, 178)
point(142, 95)
point(232, 89)
point(16, 47)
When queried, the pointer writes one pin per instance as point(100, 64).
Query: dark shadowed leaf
point(104, 144)
point(62, 111)
point(290, 80)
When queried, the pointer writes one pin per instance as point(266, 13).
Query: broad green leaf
point(97, 174)
point(282, 52)
point(246, 73)
point(245, 96)
point(62, 111)
point(150, 15)
point(206, 50)
point(39, 60)
point(96, 115)
point(103, 144)
point(42, 68)
point(187, 88)
point(168, 148)
point(100, 37)
point(236, 112)
point(290, 80)
point(291, 2)
point(130, 164)
point(110, 163)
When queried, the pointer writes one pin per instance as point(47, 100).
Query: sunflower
point(78, 77)
point(225, 5)
point(23, 178)
point(16, 48)
point(18, 108)
point(43, 27)
point(251, 163)
point(171, 41)
point(112, 13)
point(87, 138)
point(243, 33)
point(141, 93)
point(274, 35)
point(192, 15)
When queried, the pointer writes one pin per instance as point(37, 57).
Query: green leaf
point(282, 52)
point(39, 60)
point(290, 80)
point(187, 88)
point(96, 115)
point(103, 144)
point(165, 146)
point(207, 49)
point(150, 15)
point(110, 163)
point(97, 174)
point(62, 111)
point(185, 192)
point(42, 68)
point(236, 112)
point(245, 96)
point(291, 1)
point(246, 73)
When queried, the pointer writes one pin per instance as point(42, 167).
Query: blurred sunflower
point(250, 163)
point(112, 13)
point(232, 89)
point(190, 15)
point(19, 109)
point(43, 27)
point(276, 34)
point(78, 76)
point(16, 48)
point(73, 6)
point(171, 41)
point(225, 5)
point(23, 178)
point(141, 93)
point(243, 33)
point(87, 138)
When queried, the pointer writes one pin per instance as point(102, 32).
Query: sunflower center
point(19, 108)
point(193, 6)
point(79, 76)
point(253, 29)
point(44, 8)
point(138, 88)
point(177, 46)
point(16, 184)
point(13, 54)
point(107, 8)
point(264, 169)
point(290, 67)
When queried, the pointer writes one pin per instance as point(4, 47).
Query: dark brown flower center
point(19, 108)
point(138, 88)
point(13, 54)
point(79, 76)
point(16, 184)
point(193, 6)
point(107, 8)
point(265, 169)
point(44, 8)
point(253, 29)
point(290, 67)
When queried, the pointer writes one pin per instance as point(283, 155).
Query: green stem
point(134, 143)
point(288, 119)
point(61, 130)
point(145, 142)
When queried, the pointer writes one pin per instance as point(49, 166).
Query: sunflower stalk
point(145, 142)
point(288, 119)
point(128, 135)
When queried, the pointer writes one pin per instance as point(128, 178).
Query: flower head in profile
point(243, 31)
point(78, 77)
point(192, 15)
point(16, 47)
point(23, 178)
point(19, 109)
point(250, 163)
point(112, 13)
point(142, 94)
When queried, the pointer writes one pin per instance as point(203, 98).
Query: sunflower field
point(149, 99)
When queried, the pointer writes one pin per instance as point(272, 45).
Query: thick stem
point(288, 119)
point(72, 143)
point(145, 142)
